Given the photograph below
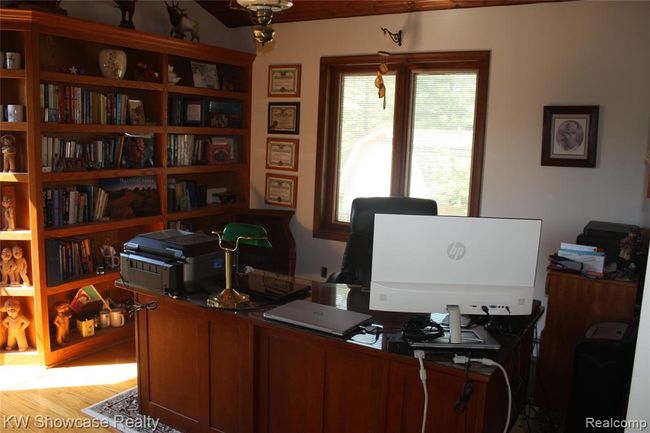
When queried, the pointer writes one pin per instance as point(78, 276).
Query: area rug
point(121, 413)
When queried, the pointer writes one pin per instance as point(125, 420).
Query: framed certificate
point(281, 190)
point(284, 80)
point(284, 118)
point(282, 154)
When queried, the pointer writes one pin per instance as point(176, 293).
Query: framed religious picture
point(281, 190)
point(193, 112)
point(570, 135)
point(284, 80)
point(282, 154)
point(284, 118)
point(136, 112)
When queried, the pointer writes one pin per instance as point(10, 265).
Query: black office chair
point(357, 258)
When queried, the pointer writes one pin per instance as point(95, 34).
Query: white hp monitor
point(463, 265)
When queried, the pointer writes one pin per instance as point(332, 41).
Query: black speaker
point(602, 370)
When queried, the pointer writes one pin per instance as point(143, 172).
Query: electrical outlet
point(323, 271)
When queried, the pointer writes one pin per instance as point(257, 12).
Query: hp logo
point(456, 250)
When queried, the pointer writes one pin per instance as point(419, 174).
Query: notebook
point(317, 316)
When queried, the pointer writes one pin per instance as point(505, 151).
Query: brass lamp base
point(228, 298)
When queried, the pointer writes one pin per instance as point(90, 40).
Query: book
point(219, 151)
point(130, 197)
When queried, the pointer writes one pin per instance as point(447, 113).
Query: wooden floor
point(61, 392)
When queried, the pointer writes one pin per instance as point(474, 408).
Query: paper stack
point(592, 258)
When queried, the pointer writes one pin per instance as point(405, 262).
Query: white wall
point(569, 53)
point(151, 16)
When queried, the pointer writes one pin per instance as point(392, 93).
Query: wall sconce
point(232, 236)
point(262, 14)
point(395, 37)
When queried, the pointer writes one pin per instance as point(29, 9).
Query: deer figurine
point(181, 23)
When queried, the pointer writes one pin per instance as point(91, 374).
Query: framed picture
point(136, 112)
point(137, 151)
point(193, 112)
point(284, 80)
point(570, 135)
point(205, 75)
point(282, 154)
point(284, 118)
point(281, 190)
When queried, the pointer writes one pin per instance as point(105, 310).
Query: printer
point(173, 262)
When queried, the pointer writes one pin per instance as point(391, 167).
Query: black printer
point(173, 262)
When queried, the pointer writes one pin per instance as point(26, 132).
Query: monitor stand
point(456, 338)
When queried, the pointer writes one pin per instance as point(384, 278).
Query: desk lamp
point(232, 236)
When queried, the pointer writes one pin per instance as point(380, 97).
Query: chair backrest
point(357, 258)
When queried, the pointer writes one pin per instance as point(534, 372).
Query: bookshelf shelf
point(67, 176)
point(17, 291)
point(200, 130)
point(78, 229)
point(205, 211)
point(13, 126)
point(185, 169)
point(14, 177)
point(17, 74)
point(49, 47)
point(84, 281)
point(15, 235)
point(210, 93)
point(87, 80)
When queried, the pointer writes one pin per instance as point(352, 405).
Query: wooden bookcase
point(50, 45)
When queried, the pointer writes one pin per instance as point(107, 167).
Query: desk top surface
point(356, 298)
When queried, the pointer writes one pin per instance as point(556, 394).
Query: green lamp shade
point(248, 234)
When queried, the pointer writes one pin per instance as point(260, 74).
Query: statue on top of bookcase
point(127, 7)
point(16, 324)
point(181, 23)
point(8, 148)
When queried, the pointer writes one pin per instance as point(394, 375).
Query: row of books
point(193, 111)
point(68, 104)
point(185, 195)
point(58, 154)
point(74, 205)
point(68, 258)
point(194, 150)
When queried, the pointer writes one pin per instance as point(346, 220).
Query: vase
point(112, 63)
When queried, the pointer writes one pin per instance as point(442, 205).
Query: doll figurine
point(16, 324)
point(62, 322)
point(7, 267)
point(20, 266)
point(8, 213)
point(8, 148)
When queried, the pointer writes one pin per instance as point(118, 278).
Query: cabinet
point(193, 159)
point(574, 304)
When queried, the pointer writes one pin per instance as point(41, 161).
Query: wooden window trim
point(325, 225)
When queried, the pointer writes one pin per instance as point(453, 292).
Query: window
point(427, 142)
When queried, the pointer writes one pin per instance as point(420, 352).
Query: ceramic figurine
point(62, 322)
point(111, 258)
point(20, 266)
point(7, 267)
point(16, 324)
point(172, 78)
point(8, 213)
point(8, 147)
point(181, 23)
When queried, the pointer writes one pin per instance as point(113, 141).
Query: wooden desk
point(206, 370)
point(574, 304)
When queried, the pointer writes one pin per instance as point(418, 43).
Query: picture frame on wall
point(281, 190)
point(282, 154)
point(570, 135)
point(284, 80)
point(284, 118)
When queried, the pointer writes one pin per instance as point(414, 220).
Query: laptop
point(318, 317)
